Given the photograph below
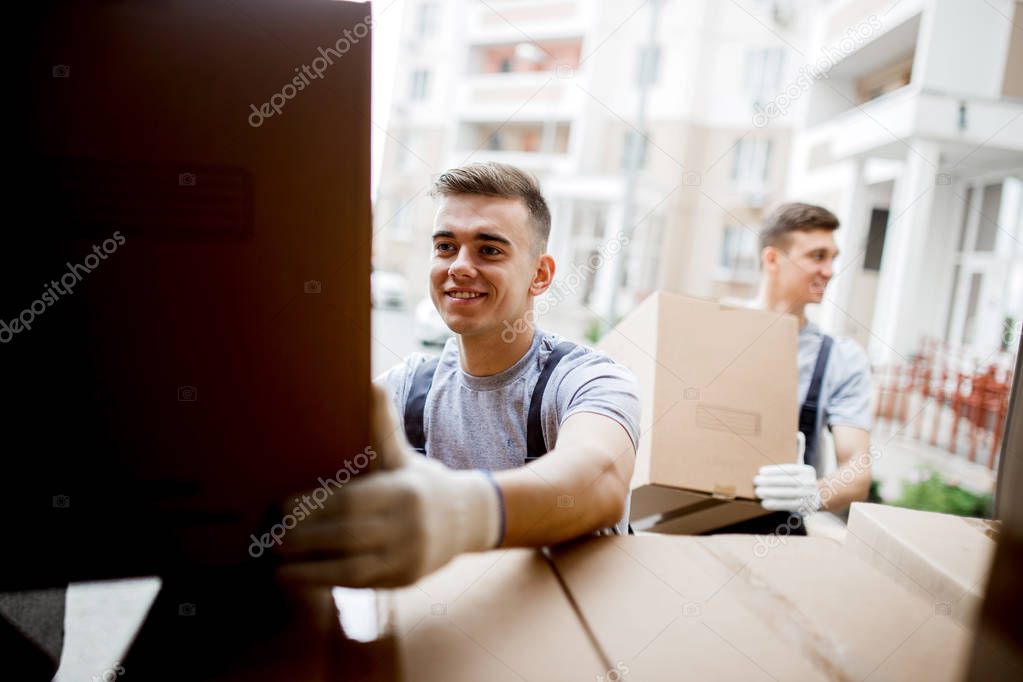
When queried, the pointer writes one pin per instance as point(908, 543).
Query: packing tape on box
point(723, 492)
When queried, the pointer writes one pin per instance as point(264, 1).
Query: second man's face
point(483, 264)
point(807, 265)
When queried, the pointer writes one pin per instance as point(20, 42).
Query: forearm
point(850, 482)
point(560, 497)
point(843, 487)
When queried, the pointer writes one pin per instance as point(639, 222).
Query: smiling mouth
point(464, 295)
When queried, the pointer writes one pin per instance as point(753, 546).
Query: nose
point(462, 266)
point(827, 269)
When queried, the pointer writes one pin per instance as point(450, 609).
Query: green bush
point(936, 495)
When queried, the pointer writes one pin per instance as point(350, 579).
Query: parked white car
point(430, 329)
point(387, 289)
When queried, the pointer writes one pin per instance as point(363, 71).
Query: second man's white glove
point(788, 487)
point(391, 527)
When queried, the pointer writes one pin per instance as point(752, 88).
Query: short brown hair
point(499, 180)
point(789, 218)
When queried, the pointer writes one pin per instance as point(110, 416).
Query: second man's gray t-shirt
point(474, 422)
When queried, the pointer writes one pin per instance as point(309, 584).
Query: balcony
point(535, 146)
point(524, 96)
point(882, 126)
point(504, 21)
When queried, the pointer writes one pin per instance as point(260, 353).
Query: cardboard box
point(495, 616)
point(718, 387)
point(221, 356)
point(943, 559)
point(733, 607)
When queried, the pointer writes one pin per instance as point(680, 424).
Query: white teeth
point(463, 294)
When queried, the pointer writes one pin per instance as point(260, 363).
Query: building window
point(420, 84)
point(762, 77)
point(589, 224)
point(403, 222)
point(634, 150)
point(426, 19)
point(648, 65)
point(750, 164)
point(737, 260)
point(644, 254)
point(409, 155)
point(875, 239)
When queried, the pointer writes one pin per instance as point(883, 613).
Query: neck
point(488, 354)
point(769, 298)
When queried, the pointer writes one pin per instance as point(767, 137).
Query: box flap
point(940, 557)
point(492, 616)
point(754, 607)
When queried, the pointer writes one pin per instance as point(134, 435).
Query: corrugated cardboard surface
point(494, 616)
point(942, 558)
point(749, 607)
point(718, 386)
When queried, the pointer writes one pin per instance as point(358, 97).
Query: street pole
point(632, 172)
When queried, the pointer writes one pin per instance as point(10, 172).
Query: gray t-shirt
point(475, 422)
point(845, 388)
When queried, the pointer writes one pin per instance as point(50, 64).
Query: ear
point(769, 258)
point(543, 277)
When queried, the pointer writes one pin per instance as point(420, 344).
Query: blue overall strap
point(808, 411)
point(415, 404)
point(535, 445)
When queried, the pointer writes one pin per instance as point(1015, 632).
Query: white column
point(854, 216)
point(896, 326)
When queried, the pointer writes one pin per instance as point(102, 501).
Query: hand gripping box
point(718, 387)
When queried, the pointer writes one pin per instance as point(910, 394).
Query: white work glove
point(391, 527)
point(789, 487)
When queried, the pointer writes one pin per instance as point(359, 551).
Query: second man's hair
point(789, 218)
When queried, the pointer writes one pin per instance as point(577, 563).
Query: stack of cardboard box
point(665, 607)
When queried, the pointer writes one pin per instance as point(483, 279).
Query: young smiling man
point(525, 440)
point(798, 253)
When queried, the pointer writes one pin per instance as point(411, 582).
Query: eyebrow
point(481, 237)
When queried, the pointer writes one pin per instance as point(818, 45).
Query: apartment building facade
point(678, 124)
point(636, 117)
point(915, 137)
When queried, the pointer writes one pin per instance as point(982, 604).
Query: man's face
point(806, 267)
point(485, 269)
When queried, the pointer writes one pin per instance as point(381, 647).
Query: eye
point(490, 251)
point(444, 247)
